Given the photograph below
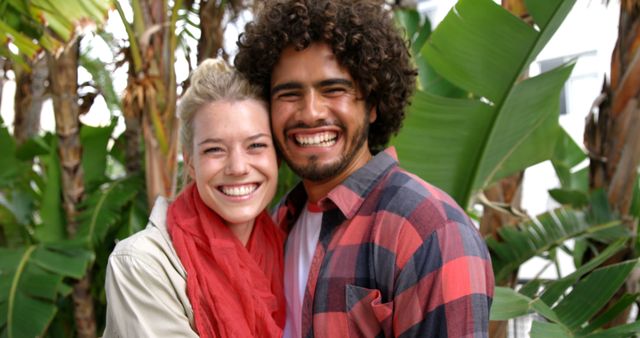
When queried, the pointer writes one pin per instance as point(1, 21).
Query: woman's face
point(233, 159)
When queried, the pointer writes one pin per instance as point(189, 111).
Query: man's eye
point(334, 90)
point(288, 95)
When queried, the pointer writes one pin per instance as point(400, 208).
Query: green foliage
point(102, 209)
point(52, 215)
point(37, 261)
point(417, 30)
point(94, 153)
point(572, 310)
point(33, 280)
point(102, 79)
point(545, 232)
point(499, 122)
point(287, 179)
point(504, 124)
point(42, 24)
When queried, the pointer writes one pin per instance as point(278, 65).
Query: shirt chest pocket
point(367, 316)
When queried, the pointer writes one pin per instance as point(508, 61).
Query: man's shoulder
point(402, 184)
point(406, 195)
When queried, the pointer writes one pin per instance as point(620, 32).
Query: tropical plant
point(503, 125)
point(571, 305)
point(39, 265)
point(610, 135)
point(494, 124)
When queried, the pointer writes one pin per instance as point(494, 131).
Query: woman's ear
point(188, 164)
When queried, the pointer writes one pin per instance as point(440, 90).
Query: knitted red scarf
point(235, 291)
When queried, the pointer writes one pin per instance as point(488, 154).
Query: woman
point(208, 264)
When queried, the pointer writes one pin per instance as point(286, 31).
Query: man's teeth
point(239, 190)
point(324, 139)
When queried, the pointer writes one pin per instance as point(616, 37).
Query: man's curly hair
point(362, 35)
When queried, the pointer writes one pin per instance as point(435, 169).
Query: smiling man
point(372, 249)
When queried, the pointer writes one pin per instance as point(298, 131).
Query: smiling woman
point(233, 161)
point(167, 279)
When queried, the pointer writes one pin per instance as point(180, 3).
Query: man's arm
point(446, 286)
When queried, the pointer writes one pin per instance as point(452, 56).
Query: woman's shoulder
point(151, 246)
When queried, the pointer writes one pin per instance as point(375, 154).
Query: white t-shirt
point(299, 250)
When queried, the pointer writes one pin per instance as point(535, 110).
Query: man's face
point(318, 117)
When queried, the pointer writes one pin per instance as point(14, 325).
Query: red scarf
point(235, 291)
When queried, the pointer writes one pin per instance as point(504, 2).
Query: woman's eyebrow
point(210, 140)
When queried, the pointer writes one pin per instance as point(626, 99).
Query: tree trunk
point(63, 70)
point(502, 197)
point(30, 95)
point(211, 30)
point(611, 134)
point(152, 90)
point(133, 122)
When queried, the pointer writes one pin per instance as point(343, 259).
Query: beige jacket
point(146, 285)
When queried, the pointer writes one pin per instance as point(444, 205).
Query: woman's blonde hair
point(213, 80)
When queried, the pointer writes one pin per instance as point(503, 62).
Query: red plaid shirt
point(396, 257)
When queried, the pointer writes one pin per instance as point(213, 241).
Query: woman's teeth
point(239, 190)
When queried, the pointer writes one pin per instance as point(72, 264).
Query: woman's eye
point(257, 145)
point(212, 150)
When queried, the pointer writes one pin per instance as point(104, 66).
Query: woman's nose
point(237, 164)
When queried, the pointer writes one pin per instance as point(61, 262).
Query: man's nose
point(237, 164)
point(314, 107)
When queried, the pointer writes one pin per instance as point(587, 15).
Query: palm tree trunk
point(211, 30)
point(611, 136)
point(30, 95)
point(159, 122)
point(63, 70)
point(502, 197)
point(149, 101)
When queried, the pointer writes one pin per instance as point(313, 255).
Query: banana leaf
point(103, 209)
point(37, 24)
point(32, 280)
point(506, 124)
point(417, 30)
point(592, 293)
point(53, 226)
point(542, 233)
point(94, 152)
point(583, 299)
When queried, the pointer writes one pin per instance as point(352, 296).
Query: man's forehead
point(314, 63)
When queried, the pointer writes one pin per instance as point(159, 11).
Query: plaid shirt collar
point(350, 194)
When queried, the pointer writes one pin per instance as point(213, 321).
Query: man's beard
point(315, 172)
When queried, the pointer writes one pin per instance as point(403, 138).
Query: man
point(372, 250)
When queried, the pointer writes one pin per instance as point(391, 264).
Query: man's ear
point(373, 114)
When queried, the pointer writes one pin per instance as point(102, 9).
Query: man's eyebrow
point(332, 82)
point(323, 83)
point(285, 86)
